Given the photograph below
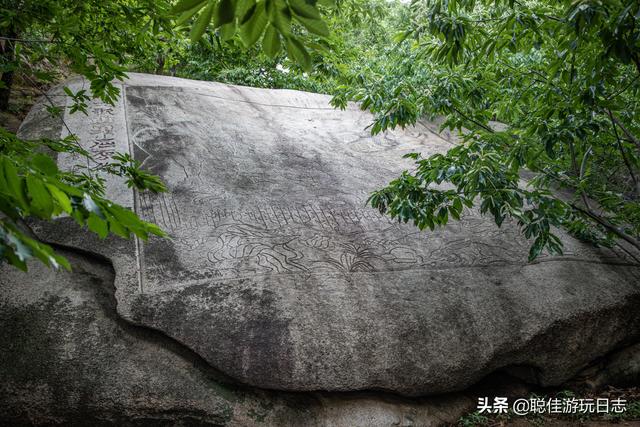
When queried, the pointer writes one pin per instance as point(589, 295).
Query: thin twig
point(622, 153)
point(628, 252)
point(624, 88)
point(626, 132)
point(606, 224)
point(13, 39)
point(487, 128)
point(583, 167)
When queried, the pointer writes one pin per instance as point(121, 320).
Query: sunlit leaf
point(271, 42)
point(202, 22)
point(298, 53)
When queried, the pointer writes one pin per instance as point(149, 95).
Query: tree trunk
point(160, 64)
point(7, 56)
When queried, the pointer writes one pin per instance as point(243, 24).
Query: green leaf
point(298, 53)
point(125, 217)
point(61, 198)
point(90, 205)
point(41, 201)
point(4, 186)
point(251, 31)
point(185, 5)
point(62, 261)
point(203, 21)
point(454, 213)
point(15, 183)
point(15, 261)
point(245, 15)
point(98, 225)
point(243, 7)
point(45, 164)
point(225, 13)
point(315, 26)
point(227, 31)
point(271, 44)
point(304, 9)
point(154, 229)
point(280, 17)
point(185, 16)
point(402, 36)
point(18, 243)
point(117, 228)
point(457, 204)
point(41, 251)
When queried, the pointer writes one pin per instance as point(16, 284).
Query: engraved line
point(283, 215)
point(171, 287)
point(325, 217)
point(315, 213)
point(175, 208)
point(291, 215)
point(138, 243)
point(300, 215)
point(164, 204)
point(169, 212)
point(262, 218)
point(333, 217)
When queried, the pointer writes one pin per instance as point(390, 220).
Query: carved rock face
point(278, 275)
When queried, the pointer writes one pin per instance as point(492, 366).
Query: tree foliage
point(276, 22)
point(94, 40)
point(562, 80)
point(359, 39)
point(32, 186)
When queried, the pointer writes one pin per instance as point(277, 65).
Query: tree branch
point(13, 39)
point(464, 116)
point(606, 224)
point(626, 132)
point(624, 156)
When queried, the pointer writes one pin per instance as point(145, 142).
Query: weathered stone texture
point(279, 276)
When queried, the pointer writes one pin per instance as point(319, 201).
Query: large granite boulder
point(278, 275)
point(68, 359)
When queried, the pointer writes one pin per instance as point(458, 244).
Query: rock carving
point(280, 276)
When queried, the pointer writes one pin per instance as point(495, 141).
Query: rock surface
point(279, 277)
point(68, 359)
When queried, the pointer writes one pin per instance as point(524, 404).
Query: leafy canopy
point(272, 21)
point(93, 40)
point(550, 87)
